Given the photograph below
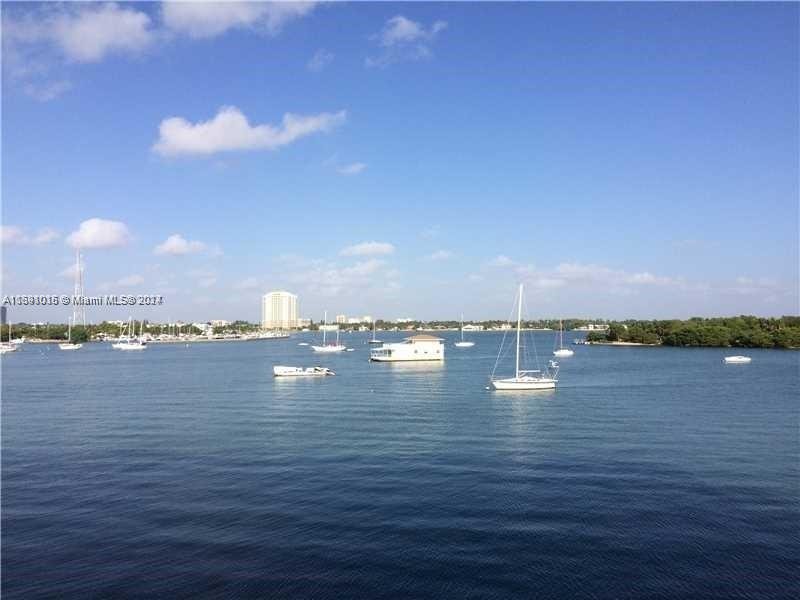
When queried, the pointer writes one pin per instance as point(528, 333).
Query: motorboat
point(281, 371)
point(736, 360)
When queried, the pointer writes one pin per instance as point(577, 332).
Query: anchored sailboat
point(562, 352)
point(69, 345)
point(462, 343)
point(374, 340)
point(6, 347)
point(130, 343)
point(526, 379)
point(337, 347)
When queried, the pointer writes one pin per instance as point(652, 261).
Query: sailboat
point(526, 379)
point(374, 340)
point(69, 345)
point(6, 347)
point(562, 352)
point(130, 343)
point(462, 343)
point(325, 347)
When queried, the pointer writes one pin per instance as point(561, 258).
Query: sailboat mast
point(519, 323)
point(462, 327)
point(69, 330)
point(324, 327)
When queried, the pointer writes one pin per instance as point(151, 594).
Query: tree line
point(742, 332)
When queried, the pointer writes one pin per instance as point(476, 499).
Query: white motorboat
point(736, 360)
point(463, 343)
point(303, 344)
point(525, 379)
point(68, 345)
point(281, 371)
point(562, 352)
point(325, 347)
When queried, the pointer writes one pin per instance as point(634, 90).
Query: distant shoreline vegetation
point(738, 332)
point(723, 332)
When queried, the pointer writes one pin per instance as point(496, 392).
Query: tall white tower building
point(279, 310)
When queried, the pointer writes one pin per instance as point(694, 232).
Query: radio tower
point(78, 309)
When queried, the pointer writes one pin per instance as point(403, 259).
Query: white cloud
point(11, 234)
point(99, 233)
point(249, 283)
point(210, 19)
point(68, 272)
point(81, 32)
point(45, 236)
point(130, 281)
point(230, 130)
point(321, 59)
point(368, 249)
point(441, 255)
point(14, 235)
point(324, 278)
point(47, 90)
point(404, 39)
point(501, 261)
point(177, 245)
point(352, 169)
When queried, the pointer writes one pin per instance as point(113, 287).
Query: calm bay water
point(191, 472)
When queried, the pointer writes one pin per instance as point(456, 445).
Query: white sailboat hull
point(329, 348)
point(525, 383)
point(132, 346)
point(6, 349)
point(70, 346)
point(564, 352)
point(464, 344)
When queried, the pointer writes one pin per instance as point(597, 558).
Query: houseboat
point(416, 347)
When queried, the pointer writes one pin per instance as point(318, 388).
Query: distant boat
point(69, 345)
point(562, 352)
point(328, 348)
point(374, 340)
point(281, 371)
point(303, 344)
point(129, 343)
point(6, 347)
point(526, 379)
point(462, 343)
point(736, 359)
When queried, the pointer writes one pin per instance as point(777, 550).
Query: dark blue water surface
point(190, 472)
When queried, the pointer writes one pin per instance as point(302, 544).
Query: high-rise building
point(279, 310)
point(341, 319)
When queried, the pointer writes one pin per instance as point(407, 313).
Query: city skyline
point(395, 159)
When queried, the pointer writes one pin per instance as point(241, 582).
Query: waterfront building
point(471, 327)
point(220, 323)
point(303, 323)
point(414, 348)
point(367, 319)
point(341, 319)
point(279, 310)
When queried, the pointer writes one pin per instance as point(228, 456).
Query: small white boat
point(328, 348)
point(463, 343)
point(737, 360)
point(350, 350)
point(6, 347)
point(562, 352)
point(303, 344)
point(526, 379)
point(281, 371)
point(68, 345)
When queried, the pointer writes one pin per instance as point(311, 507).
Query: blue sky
point(622, 160)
